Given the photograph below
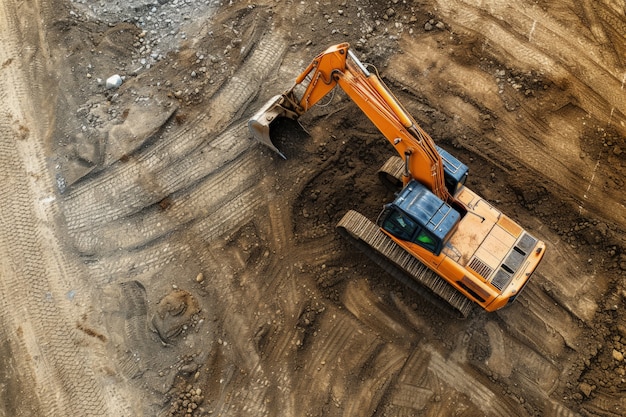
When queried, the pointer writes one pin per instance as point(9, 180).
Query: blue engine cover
point(454, 171)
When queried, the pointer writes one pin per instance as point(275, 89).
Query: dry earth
point(156, 261)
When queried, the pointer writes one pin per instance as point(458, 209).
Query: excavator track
point(368, 238)
point(390, 174)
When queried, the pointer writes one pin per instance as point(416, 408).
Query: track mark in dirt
point(90, 332)
point(38, 271)
point(373, 312)
point(592, 86)
point(455, 376)
point(132, 176)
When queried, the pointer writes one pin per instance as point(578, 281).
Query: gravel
point(162, 21)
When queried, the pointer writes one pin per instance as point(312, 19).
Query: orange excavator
point(437, 232)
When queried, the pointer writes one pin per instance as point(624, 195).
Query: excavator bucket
point(259, 124)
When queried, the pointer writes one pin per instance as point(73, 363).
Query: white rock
point(113, 81)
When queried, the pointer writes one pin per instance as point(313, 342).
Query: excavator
point(437, 233)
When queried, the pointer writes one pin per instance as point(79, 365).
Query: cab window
point(426, 240)
point(400, 225)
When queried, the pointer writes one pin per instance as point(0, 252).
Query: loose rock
point(113, 81)
point(585, 389)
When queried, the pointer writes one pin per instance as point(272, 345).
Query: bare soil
point(157, 261)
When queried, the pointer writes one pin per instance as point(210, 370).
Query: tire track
point(605, 404)
point(341, 335)
point(121, 191)
point(457, 378)
point(363, 304)
point(479, 95)
point(613, 18)
point(518, 363)
point(217, 190)
point(136, 263)
point(383, 369)
point(540, 324)
point(36, 273)
point(415, 387)
point(554, 48)
point(568, 59)
point(322, 356)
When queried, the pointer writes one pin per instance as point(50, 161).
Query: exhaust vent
point(526, 243)
point(501, 279)
point(480, 267)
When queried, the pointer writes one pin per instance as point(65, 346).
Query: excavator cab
point(420, 217)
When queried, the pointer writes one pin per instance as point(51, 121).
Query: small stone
point(428, 27)
point(585, 388)
point(113, 81)
point(200, 277)
point(440, 25)
point(617, 355)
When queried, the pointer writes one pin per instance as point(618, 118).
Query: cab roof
point(427, 209)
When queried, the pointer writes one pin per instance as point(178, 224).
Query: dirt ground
point(157, 261)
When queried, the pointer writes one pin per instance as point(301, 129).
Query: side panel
point(460, 278)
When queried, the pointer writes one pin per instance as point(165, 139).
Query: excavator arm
point(339, 66)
